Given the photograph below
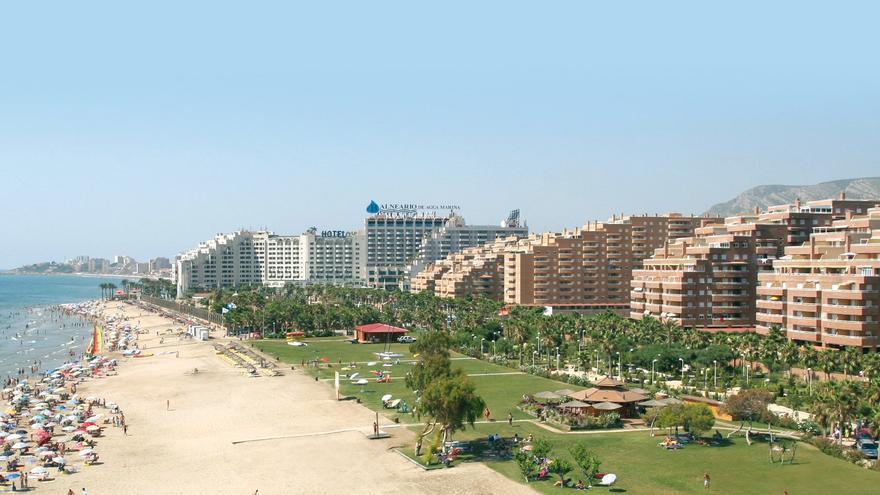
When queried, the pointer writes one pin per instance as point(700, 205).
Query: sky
point(141, 130)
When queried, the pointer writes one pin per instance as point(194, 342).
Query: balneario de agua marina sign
point(407, 208)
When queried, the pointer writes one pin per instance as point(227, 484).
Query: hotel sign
point(336, 233)
point(407, 208)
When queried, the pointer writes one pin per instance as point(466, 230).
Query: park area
point(634, 456)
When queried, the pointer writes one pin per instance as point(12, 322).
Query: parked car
point(406, 339)
point(868, 448)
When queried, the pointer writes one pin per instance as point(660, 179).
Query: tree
point(748, 406)
point(587, 461)
point(559, 467)
point(526, 464)
point(451, 401)
point(698, 418)
point(541, 448)
point(433, 362)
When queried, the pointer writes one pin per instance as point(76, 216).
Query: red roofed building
point(378, 333)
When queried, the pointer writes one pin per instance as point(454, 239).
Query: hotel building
point(399, 245)
point(826, 292)
point(582, 270)
point(247, 258)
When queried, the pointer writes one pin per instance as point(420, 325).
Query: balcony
point(669, 308)
point(810, 307)
point(769, 318)
point(803, 335)
point(850, 340)
point(848, 325)
point(765, 304)
point(841, 309)
point(769, 291)
point(804, 320)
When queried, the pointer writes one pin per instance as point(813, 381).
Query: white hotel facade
point(262, 257)
point(392, 244)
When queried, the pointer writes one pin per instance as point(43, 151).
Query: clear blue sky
point(142, 130)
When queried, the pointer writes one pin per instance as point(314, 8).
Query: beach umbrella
point(362, 381)
point(46, 453)
point(68, 429)
point(37, 426)
point(20, 446)
point(11, 476)
point(92, 428)
point(59, 460)
point(39, 470)
point(14, 437)
point(86, 451)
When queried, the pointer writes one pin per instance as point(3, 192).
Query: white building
point(402, 239)
point(246, 258)
point(456, 236)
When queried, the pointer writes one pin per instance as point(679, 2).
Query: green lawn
point(642, 467)
point(501, 392)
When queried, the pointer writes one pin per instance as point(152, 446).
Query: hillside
point(768, 195)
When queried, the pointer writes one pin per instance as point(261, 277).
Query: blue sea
point(32, 334)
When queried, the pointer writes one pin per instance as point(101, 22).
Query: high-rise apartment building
point(709, 281)
point(583, 270)
point(826, 292)
point(245, 258)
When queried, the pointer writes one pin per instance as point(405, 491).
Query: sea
point(31, 333)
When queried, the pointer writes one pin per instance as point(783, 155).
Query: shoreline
point(199, 425)
point(134, 277)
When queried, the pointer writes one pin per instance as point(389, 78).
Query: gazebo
point(378, 333)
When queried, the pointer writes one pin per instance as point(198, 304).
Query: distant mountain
point(764, 196)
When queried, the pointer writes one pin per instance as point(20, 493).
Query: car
point(406, 339)
point(868, 448)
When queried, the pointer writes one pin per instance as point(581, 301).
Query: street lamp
point(619, 366)
point(682, 370)
point(705, 379)
point(534, 353)
point(715, 376)
point(494, 353)
point(557, 358)
point(653, 362)
point(810, 379)
point(481, 346)
point(747, 374)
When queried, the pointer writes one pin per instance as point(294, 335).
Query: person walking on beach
point(168, 405)
point(510, 419)
point(706, 481)
point(125, 430)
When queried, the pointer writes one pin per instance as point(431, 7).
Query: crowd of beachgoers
point(48, 431)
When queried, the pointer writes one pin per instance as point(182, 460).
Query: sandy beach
point(218, 435)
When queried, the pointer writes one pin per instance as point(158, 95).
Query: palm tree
point(850, 359)
point(827, 362)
